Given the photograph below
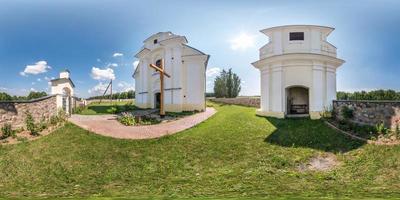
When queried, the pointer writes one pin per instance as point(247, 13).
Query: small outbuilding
point(184, 90)
point(63, 88)
point(298, 71)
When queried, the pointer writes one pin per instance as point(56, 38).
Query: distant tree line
point(372, 95)
point(227, 84)
point(119, 95)
point(32, 95)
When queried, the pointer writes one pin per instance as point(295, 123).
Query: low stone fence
point(14, 112)
point(244, 101)
point(371, 112)
point(106, 100)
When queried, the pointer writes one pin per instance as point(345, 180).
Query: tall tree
point(227, 84)
point(5, 97)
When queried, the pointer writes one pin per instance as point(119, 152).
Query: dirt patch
point(323, 162)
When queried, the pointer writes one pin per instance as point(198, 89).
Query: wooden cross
point(160, 68)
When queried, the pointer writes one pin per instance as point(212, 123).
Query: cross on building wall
point(159, 66)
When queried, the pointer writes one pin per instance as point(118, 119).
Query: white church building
point(298, 71)
point(185, 89)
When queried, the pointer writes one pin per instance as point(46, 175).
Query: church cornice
point(298, 56)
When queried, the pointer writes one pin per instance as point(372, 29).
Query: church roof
point(63, 79)
point(327, 29)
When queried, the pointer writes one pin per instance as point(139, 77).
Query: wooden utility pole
point(160, 69)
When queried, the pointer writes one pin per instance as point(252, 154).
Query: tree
point(36, 95)
point(5, 97)
point(227, 84)
point(372, 95)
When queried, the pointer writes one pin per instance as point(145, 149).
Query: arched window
point(158, 63)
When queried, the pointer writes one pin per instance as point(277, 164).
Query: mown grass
point(234, 154)
point(104, 107)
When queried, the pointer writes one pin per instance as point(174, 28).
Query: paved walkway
point(107, 125)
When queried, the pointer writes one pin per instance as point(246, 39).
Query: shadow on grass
point(315, 134)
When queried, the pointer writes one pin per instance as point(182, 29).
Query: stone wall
point(371, 112)
point(106, 100)
point(244, 101)
point(14, 112)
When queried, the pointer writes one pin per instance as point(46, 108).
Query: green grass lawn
point(233, 154)
point(104, 107)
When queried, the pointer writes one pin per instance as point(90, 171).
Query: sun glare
point(242, 41)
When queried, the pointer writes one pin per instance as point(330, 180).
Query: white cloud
point(98, 89)
point(118, 54)
point(98, 60)
point(38, 68)
point(213, 71)
point(39, 80)
point(3, 89)
point(33, 90)
point(242, 41)
point(46, 78)
point(112, 65)
point(102, 74)
point(124, 86)
point(135, 64)
point(33, 83)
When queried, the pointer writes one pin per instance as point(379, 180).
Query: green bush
point(381, 129)
point(127, 119)
point(78, 110)
point(30, 124)
point(42, 125)
point(112, 110)
point(7, 131)
point(54, 120)
point(347, 113)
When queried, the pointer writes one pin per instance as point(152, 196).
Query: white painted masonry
point(185, 90)
point(297, 56)
point(63, 87)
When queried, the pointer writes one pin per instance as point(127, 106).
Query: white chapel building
point(185, 89)
point(298, 71)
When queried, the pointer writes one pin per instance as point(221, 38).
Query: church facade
point(185, 89)
point(297, 71)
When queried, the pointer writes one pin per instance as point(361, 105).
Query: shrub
point(381, 129)
point(128, 106)
point(347, 113)
point(127, 119)
point(54, 120)
point(7, 131)
point(42, 124)
point(78, 110)
point(30, 124)
point(146, 120)
point(112, 110)
point(62, 116)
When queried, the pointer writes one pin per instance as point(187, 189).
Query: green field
point(232, 154)
point(104, 107)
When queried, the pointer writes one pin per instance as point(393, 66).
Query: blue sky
point(94, 39)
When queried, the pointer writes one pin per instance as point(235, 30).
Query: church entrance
point(157, 100)
point(297, 100)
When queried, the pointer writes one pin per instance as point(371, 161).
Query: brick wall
point(14, 112)
point(244, 101)
point(371, 112)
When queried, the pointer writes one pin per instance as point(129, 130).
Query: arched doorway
point(66, 100)
point(297, 100)
point(157, 100)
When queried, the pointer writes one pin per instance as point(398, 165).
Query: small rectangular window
point(296, 36)
point(155, 41)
